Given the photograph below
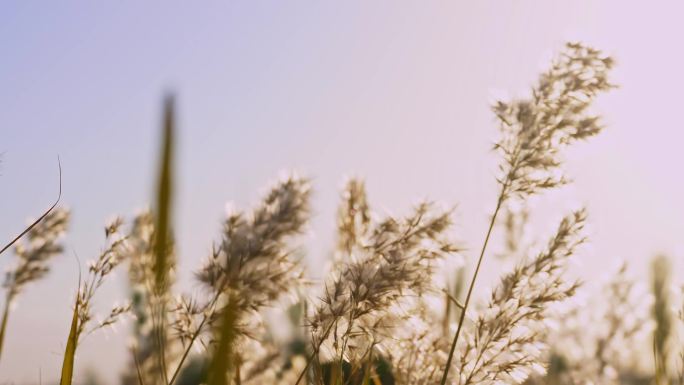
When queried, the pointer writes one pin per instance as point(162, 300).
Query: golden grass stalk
point(660, 286)
point(163, 239)
point(98, 271)
point(72, 342)
point(222, 361)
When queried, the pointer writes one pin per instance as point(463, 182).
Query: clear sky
point(395, 91)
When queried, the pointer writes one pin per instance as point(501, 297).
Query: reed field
point(402, 301)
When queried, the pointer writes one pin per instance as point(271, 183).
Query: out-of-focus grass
point(374, 320)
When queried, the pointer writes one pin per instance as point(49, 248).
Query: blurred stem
point(163, 238)
point(447, 311)
point(314, 354)
point(3, 326)
point(461, 320)
point(368, 368)
point(345, 340)
point(661, 314)
point(222, 361)
point(137, 367)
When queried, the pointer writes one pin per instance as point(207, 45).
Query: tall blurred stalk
point(660, 283)
point(163, 239)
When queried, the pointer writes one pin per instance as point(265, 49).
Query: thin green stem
point(461, 320)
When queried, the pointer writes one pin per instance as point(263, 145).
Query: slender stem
point(314, 353)
point(363, 367)
point(472, 283)
point(205, 318)
point(3, 325)
point(187, 350)
point(346, 337)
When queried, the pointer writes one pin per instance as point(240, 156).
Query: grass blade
point(70, 351)
point(164, 197)
point(163, 238)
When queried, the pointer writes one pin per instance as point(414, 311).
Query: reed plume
point(506, 343)
point(597, 355)
point(33, 258)
point(253, 259)
point(378, 319)
point(353, 217)
point(252, 267)
point(535, 129)
point(385, 265)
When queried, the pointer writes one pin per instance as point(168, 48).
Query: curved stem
point(45, 214)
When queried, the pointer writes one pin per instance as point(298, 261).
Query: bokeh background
point(396, 92)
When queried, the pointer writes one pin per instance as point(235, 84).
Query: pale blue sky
point(396, 92)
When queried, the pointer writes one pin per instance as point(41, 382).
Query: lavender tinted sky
point(397, 93)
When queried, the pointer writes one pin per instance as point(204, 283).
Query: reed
point(395, 306)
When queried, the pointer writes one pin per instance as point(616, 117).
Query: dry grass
point(384, 314)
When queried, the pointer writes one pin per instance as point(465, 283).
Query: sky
point(397, 92)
